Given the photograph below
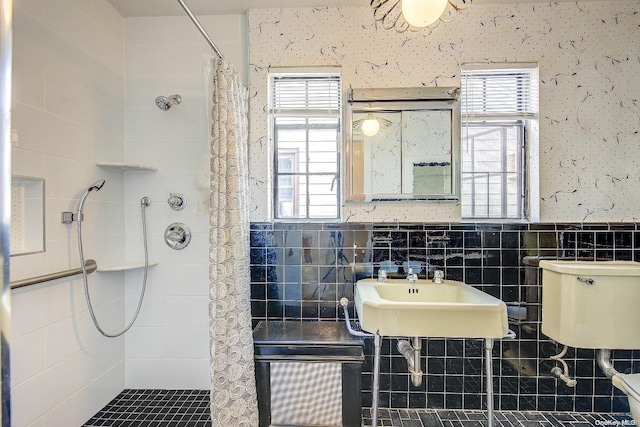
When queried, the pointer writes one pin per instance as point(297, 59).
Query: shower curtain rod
point(200, 28)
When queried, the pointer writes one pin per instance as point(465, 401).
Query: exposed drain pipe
point(412, 354)
point(604, 361)
point(562, 374)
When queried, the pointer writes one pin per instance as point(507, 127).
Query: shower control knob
point(177, 235)
point(177, 201)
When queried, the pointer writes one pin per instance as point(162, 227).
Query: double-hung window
point(499, 116)
point(305, 113)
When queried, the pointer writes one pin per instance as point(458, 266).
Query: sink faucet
point(438, 276)
point(382, 275)
point(411, 276)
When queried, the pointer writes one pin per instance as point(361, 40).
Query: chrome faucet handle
point(411, 276)
point(438, 276)
point(382, 275)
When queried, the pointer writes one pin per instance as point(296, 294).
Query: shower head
point(96, 185)
point(165, 102)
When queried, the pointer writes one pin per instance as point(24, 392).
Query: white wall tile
point(145, 343)
point(69, 107)
point(40, 44)
point(107, 147)
point(41, 393)
point(187, 312)
point(152, 313)
point(27, 356)
point(165, 63)
point(107, 354)
point(53, 135)
point(187, 280)
point(69, 336)
point(26, 163)
point(34, 7)
point(28, 81)
point(81, 406)
point(185, 343)
point(70, 21)
point(29, 310)
point(69, 100)
point(145, 60)
point(165, 373)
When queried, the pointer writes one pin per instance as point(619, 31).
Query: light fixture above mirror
point(413, 15)
point(370, 125)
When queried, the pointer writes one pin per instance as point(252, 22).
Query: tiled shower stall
point(299, 271)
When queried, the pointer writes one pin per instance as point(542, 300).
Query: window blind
point(499, 93)
point(306, 93)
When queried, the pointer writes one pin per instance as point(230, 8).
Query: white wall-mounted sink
point(428, 309)
point(591, 304)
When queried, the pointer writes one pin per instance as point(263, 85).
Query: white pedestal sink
point(422, 308)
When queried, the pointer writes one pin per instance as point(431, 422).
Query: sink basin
point(591, 304)
point(427, 309)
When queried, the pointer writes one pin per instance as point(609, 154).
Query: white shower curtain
point(233, 389)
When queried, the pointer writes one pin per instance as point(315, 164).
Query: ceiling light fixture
point(414, 15)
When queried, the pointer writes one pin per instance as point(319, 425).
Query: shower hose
point(143, 205)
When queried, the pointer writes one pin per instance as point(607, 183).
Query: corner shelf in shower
point(127, 166)
point(124, 266)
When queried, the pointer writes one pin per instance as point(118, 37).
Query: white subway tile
point(43, 46)
point(68, 337)
point(152, 313)
point(27, 356)
point(108, 147)
point(28, 81)
point(53, 135)
point(187, 280)
point(108, 19)
point(69, 21)
point(81, 406)
point(144, 343)
point(107, 354)
point(169, 374)
point(187, 312)
point(29, 310)
point(186, 343)
point(146, 60)
point(34, 397)
point(69, 100)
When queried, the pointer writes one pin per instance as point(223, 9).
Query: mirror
point(403, 144)
point(27, 215)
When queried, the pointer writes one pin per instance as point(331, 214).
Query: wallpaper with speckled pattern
point(589, 59)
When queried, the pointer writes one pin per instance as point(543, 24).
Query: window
point(499, 119)
point(305, 113)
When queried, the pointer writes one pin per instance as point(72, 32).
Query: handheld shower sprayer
point(95, 186)
point(67, 218)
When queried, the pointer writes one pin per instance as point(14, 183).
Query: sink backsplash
point(299, 271)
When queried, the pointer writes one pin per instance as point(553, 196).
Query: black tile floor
point(190, 408)
point(155, 408)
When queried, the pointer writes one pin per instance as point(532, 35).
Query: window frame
point(521, 172)
point(309, 114)
point(525, 113)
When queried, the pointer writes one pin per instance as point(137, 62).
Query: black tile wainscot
point(299, 271)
